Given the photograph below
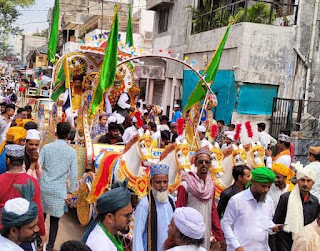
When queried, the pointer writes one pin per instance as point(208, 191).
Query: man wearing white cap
point(295, 210)
point(154, 212)
point(202, 135)
point(19, 219)
point(131, 131)
point(31, 159)
point(283, 156)
point(185, 231)
point(177, 114)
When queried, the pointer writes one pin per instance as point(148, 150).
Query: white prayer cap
point(284, 138)
point(33, 134)
point(176, 106)
point(201, 128)
point(18, 206)
point(134, 120)
point(189, 222)
point(302, 172)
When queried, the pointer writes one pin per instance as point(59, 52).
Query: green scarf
point(115, 240)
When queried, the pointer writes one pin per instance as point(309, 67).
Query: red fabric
point(216, 230)
point(105, 173)
point(8, 192)
point(292, 149)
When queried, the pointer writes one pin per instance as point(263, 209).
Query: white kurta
point(247, 223)
point(187, 248)
point(6, 244)
point(129, 133)
point(315, 166)
point(205, 143)
point(99, 241)
point(266, 139)
point(308, 238)
point(275, 193)
point(284, 159)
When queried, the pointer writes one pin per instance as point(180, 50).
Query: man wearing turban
point(126, 104)
point(185, 231)
point(282, 183)
point(295, 209)
point(114, 215)
point(15, 135)
point(19, 219)
point(197, 191)
point(15, 178)
point(247, 220)
point(154, 212)
point(314, 158)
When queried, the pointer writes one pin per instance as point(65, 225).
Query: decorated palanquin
point(205, 116)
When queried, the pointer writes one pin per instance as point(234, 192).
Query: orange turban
point(314, 150)
point(14, 134)
point(21, 122)
point(285, 171)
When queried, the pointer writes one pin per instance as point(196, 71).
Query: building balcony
point(155, 4)
point(254, 11)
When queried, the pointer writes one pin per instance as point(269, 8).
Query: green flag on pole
point(129, 35)
point(54, 33)
point(59, 86)
point(109, 65)
point(200, 90)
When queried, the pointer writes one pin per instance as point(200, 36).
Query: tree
point(8, 15)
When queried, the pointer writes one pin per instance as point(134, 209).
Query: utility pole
point(101, 15)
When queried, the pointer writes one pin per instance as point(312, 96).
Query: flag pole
point(203, 107)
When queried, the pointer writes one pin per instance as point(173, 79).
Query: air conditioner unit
point(148, 35)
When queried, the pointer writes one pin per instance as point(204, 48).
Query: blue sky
point(35, 17)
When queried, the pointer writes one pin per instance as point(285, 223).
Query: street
point(69, 228)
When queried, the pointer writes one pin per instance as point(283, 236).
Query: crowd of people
point(273, 207)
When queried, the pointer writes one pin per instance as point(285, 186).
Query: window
point(256, 99)
point(163, 20)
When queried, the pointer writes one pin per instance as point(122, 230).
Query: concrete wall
point(257, 53)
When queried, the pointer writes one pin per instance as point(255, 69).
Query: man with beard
point(154, 213)
point(112, 136)
point(295, 210)
point(282, 183)
point(3, 108)
point(114, 215)
point(314, 158)
point(247, 220)
point(284, 155)
point(185, 231)
point(19, 219)
point(197, 191)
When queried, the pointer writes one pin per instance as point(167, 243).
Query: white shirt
point(186, 248)
point(8, 245)
point(99, 241)
point(129, 133)
point(247, 223)
point(107, 105)
point(204, 142)
point(122, 101)
point(284, 159)
point(275, 193)
point(315, 166)
point(266, 139)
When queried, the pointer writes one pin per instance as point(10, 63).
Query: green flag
point(129, 35)
point(109, 65)
point(200, 90)
point(54, 33)
point(59, 86)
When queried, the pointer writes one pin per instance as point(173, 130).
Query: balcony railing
point(266, 12)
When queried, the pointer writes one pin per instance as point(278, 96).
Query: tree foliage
point(8, 16)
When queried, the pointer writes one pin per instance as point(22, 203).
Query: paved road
point(69, 228)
